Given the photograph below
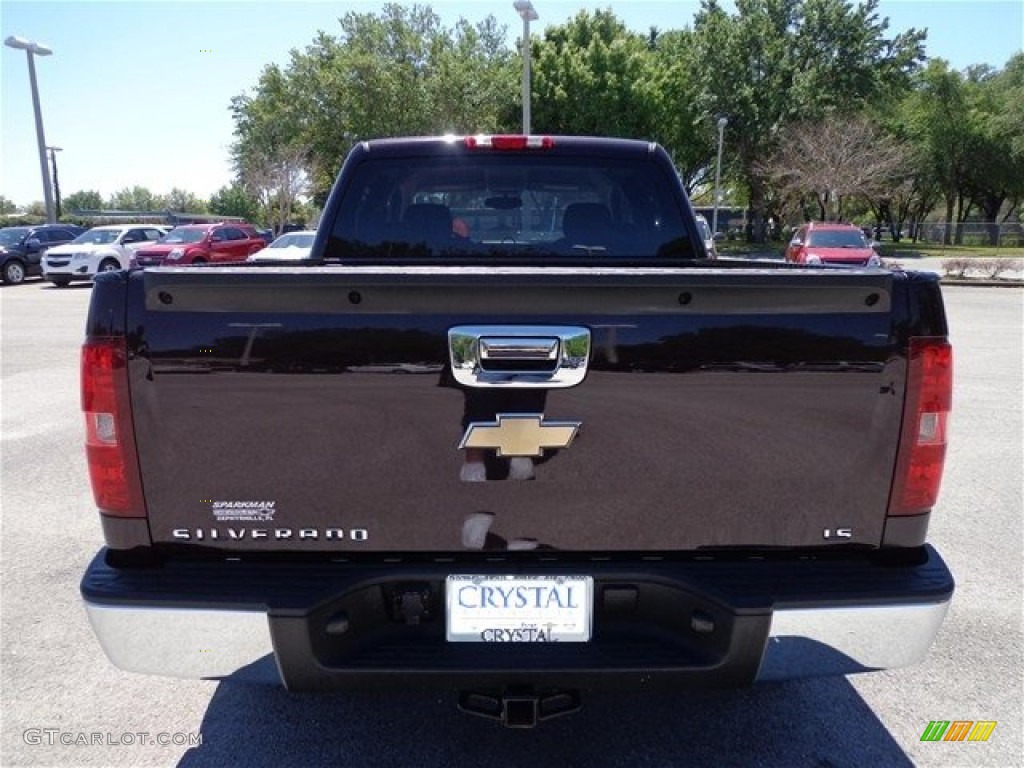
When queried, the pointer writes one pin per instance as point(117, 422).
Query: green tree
point(589, 79)
point(938, 112)
point(1010, 122)
point(7, 206)
point(270, 154)
point(1011, 112)
point(909, 199)
point(136, 199)
point(84, 200)
point(399, 72)
point(474, 82)
point(969, 139)
point(774, 62)
point(994, 177)
point(593, 76)
point(234, 200)
point(182, 201)
point(36, 208)
point(680, 123)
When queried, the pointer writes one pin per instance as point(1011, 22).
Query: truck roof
point(563, 145)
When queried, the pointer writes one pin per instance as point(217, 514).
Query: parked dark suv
point(21, 248)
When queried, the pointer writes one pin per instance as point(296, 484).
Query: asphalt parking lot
point(65, 705)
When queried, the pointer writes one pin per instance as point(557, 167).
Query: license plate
point(519, 609)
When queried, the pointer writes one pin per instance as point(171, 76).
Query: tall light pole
point(528, 13)
point(35, 49)
point(56, 184)
point(722, 122)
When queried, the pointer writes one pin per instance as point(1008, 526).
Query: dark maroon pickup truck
point(511, 432)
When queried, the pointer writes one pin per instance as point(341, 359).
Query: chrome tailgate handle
point(535, 356)
point(498, 348)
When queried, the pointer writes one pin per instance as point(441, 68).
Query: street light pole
point(528, 13)
point(56, 184)
point(35, 49)
point(722, 122)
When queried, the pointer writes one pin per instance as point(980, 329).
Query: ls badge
point(520, 434)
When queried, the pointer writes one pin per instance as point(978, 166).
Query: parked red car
point(831, 243)
point(201, 243)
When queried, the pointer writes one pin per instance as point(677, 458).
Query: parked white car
point(100, 249)
point(292, 246)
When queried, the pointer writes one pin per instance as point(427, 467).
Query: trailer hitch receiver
point(520, 707)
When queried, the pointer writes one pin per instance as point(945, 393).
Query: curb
point(909, 266)
point(981, 282)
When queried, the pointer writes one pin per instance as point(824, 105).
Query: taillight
point(109, 436)
point(506, 142)
point(922, 452)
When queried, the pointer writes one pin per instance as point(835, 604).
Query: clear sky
point(137, 92)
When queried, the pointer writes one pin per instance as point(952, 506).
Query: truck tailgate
point(315, 409)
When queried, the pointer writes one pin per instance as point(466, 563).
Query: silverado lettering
point(335, 534)
point(564, 421)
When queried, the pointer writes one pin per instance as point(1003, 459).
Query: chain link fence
point(971, 233)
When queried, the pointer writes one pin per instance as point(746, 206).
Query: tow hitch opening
point(519, 708)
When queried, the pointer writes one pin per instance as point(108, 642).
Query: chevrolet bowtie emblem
point(520, 434)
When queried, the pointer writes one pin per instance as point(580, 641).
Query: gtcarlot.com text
point(55, 736)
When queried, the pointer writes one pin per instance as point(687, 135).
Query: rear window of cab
point(492, 206)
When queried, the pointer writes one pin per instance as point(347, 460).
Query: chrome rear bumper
point(822, 642)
